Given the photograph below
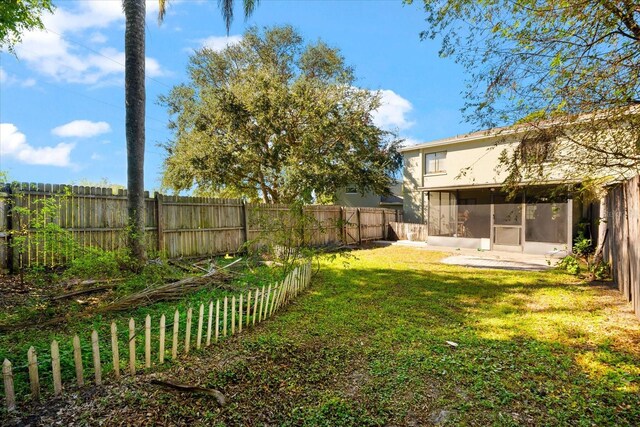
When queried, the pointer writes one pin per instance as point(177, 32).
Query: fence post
point(160, 222)
point(34, 379)
point(97, 367)
point(55, 368)
point(77, 359)
point(245, 224)
point(9, 393)
point(359, 227)
point(132, 346)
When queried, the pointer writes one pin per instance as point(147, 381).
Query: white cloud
point(9, 79)
point(96, 156)
point(54, 52)
point(81, 129)
point(13, 143)
point(392, 113)
point(408, 141)
point(219, 43)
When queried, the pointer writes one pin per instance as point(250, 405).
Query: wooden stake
point(217, 319)
point(187, 336)
point(163, 331)
point(97, 367)
point(147, 342)
point(233, 315)
point(209, 321)
point(34, 379)
point(200, 320)
point(176, 328)
point(55, 368)
point(9, 393)
point(266, 307)
point(77, 360)
point(248, 308)
point(115, 351)
point(240, 315)
point(224, 318)
point(132, 346)
point(255, 307)
point(261, 305)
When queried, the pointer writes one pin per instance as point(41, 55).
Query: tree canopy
point(18, 16)
point(572, 65)
point(274, 119)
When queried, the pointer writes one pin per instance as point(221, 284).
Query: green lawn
point(367, 346)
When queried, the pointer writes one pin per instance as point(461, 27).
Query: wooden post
point(266, 306)
point(160, 222)
point(224, 317)
point(209, 321)
point(97, 367)
point(245, 222)
point(115, 351)
point(240, 314)
point(359, 227)
point(261, 305)
point(187, 332)
point(217, 320)
point(200, 320)
point(34, 379)
point(77, 360)
point(132, 346)
point(163, 327)
point(147, 341)
point(9, 393)
point(248, 309)
point(255, 307)
point(55, 368)
point(233, 315)
point(176, 328)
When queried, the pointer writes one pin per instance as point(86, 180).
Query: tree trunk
point(134, 75)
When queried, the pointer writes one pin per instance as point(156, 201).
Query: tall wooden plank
point(176, 328)
point(200, 322)
point(9, 393)
point(261, 304)
point(240, 314)
point(224, 317)
point(209, 321)
point(132, 346)
point(55, 368)
point(255, 307)
point(115, 350)
point(97, 367)
point(187, 331)
point(248, 308)
point(34, 378)
point(77, 360)
point(233, 315)
point(161, 341)
point(217, 320)
point(147, 342)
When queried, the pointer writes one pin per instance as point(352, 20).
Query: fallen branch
point(191, 389)
point(172, 291)
point(85, 291)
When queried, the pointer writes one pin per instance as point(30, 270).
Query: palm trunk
point(134, 75)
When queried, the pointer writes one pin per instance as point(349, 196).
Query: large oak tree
point(273, 119)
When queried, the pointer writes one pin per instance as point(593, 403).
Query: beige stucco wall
point(369, 200)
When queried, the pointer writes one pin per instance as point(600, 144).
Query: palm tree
point(134, 77)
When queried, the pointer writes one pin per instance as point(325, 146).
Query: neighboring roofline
point(511, 130)
point(494, 185)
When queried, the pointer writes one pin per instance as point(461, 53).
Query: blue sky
point(62, 97)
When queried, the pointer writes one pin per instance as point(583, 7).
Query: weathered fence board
point(176, 226)
point(623, 245)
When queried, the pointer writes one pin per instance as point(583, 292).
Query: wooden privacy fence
point(622, 247)
point(208, 323)
point(176, 226)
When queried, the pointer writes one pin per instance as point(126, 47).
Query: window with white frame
point(435, 162)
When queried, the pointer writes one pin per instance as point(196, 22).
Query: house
point(454, 186)
point(351, 197)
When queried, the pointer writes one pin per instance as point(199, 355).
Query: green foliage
point(570, 65)
point(570, 264)
point(273, 119)
point(96, 263)
point(18, 16)
point(38, 225)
